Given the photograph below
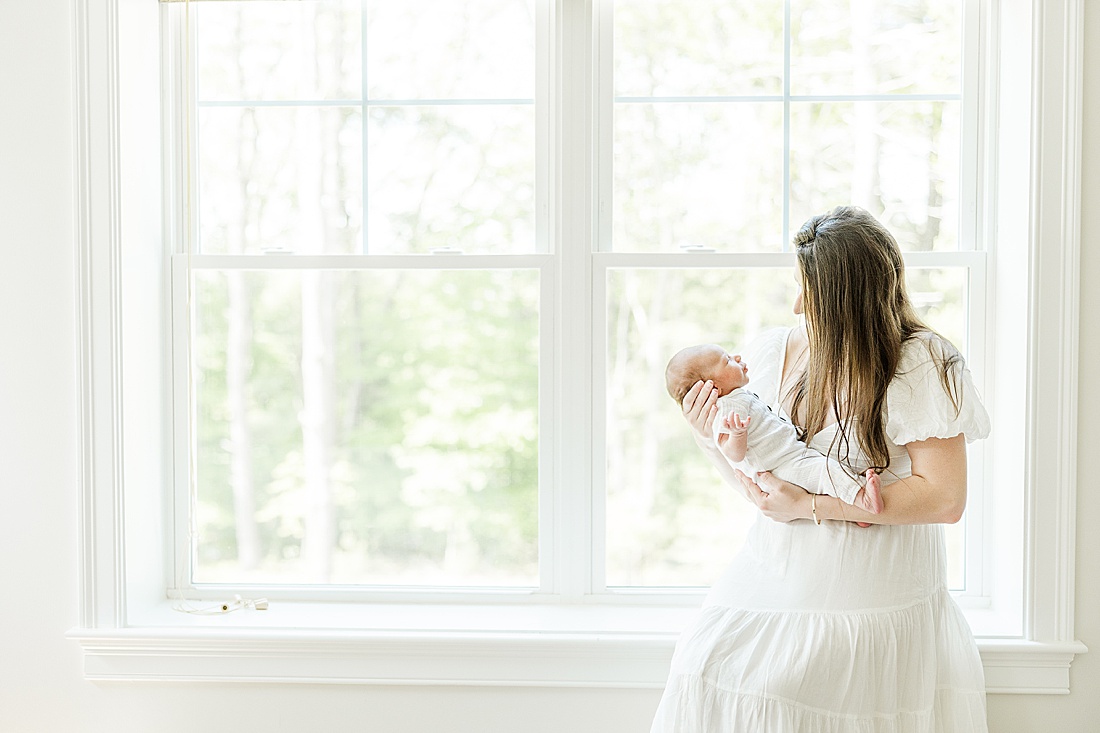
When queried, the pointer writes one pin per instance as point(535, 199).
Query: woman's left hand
point(777, 499)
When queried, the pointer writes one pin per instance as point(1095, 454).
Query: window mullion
point(979, 510)
point(364, 23)
point(604, 74)
point(970, 162)
point(547, 155)
point(181, 206)
point(572, 119)
point(786, 125)
point(603, 96)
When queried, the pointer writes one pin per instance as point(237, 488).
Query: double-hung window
point(376, 294)
point(722, 127)
point(423, 264)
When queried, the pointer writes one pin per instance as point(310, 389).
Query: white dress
point(837, 628)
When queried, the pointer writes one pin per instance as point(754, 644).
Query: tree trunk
point(238, 364)
point(318, 340)
point(237, 367)
point(317, 418)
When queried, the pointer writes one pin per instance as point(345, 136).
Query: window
point(718, 138)
point(369, 324)
point(624, 620)
point(374, 420)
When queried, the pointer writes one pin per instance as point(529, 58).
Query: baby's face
point(726, 370)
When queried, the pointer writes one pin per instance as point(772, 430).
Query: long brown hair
point(858, 315)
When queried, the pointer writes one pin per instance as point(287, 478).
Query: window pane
point(940, 297)
point(442, 49)
point(898, 160)
point(876, 46)
point(697, 48)
point(451, 176)
point(288, 174)
point(670, 519)
point(367, 427)
point(698, 174)
point(282, 178)
point(269, 50)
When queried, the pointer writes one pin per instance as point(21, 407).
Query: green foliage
point(436, 449)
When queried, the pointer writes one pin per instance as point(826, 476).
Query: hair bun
point(808, 233)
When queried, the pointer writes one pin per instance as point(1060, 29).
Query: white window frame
point(127, 627)
point(183, 265)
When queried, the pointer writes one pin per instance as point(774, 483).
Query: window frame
point(128, 630)
point(180, 49)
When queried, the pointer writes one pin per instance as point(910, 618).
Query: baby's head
point(703, 362)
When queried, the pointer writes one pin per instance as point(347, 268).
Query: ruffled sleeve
point(917, 405)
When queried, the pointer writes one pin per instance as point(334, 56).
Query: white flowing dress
point(837, 628)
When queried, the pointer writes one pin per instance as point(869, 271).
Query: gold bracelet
point(813, 508)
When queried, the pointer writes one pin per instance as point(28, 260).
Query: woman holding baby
point(820, 625)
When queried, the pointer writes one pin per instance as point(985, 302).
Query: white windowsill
point(405, 644)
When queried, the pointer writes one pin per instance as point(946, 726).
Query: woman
point(823, 626)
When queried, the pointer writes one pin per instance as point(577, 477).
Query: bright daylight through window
point(378, 297)
point(371, 420)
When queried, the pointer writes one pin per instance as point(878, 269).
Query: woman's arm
point(934, 494)
point(700, 407)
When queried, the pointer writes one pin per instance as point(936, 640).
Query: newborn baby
point(758, 437)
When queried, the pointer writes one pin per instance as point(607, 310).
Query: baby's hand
point(733, 437)
point(735, 425)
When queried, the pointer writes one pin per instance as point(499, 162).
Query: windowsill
point(456, 619)
point(405, 644)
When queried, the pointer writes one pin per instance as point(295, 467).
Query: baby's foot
point(869, 498)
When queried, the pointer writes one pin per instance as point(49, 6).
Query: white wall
point(41, 688)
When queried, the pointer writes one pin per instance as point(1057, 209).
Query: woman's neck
point(794, 364)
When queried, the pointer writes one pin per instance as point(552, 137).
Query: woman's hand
point(777, 499)
point(700, 406)
point(783, 501)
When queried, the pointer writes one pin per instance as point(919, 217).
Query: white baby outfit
point(773, 445)
point(836, 628)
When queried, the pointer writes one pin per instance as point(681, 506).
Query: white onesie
point(773, 445)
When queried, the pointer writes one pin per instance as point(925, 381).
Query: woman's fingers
point(711, 395)
point(700, 407)
point(767, 481)
point(689, 399)
point(750, 486)
point(786, 501)
point(698, 397)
